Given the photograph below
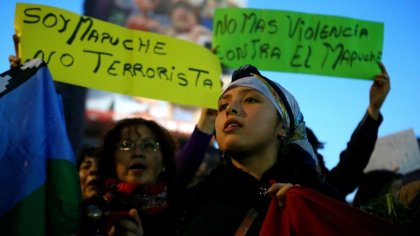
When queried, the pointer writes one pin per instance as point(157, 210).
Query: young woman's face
point(247, 122)
point(138, 158)
point(87, 175)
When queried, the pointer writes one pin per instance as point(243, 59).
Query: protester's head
point(184, 16)
point(88, 167)
point(146, 5)
point(256, 114)
point(375, 184)
point(138, 151)
point(410, 187)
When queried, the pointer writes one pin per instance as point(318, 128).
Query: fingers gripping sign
point(378, 92)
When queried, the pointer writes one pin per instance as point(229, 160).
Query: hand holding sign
point(378, 92)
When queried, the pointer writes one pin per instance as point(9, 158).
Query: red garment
point(307, 212)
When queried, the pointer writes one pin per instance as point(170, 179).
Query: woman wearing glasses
point(139, 181)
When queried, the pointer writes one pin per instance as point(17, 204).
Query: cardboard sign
point(398, 151)
point(92, 53)
point(298, 42)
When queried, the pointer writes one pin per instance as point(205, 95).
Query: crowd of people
point(141, 181)
point(265, 150)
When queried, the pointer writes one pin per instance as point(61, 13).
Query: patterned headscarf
point(284, 102)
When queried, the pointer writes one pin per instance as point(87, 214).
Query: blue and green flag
point(40, 191)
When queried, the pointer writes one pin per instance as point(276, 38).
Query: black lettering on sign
point(339, 55)
point(296, 61)
point(253, 24)
point(255, 50)
point(99, 58)
point(80, 23)
point(107, 37)
point(65, 59)
point(159, 48)
point(128, 44)
point(50, 20)
point(300, 31)
point(85, 31)
point(111, 68)
point(250, 23)
point(31, 13)
point(41, 54)
point(227, 26)
point(200, 77)
point(156, 47)
point(165, 74)
point(105, 61)
point(183, 81)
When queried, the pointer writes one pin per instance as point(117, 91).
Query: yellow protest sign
point(92, 53)
point(298, 42)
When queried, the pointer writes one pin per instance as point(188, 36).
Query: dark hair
point(313, 140)
point(186, 6)
point(374, 184)
point(106, 165)
point(89, 151)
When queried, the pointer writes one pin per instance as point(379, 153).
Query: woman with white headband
point(261, 133)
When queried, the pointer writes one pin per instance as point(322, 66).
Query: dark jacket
point(219, 203)
point(345, 177)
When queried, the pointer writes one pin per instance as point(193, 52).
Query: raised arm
point(191, 155)
point(346, 175)
point(378, 92)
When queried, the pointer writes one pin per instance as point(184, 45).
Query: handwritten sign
point(88, 52)
point(397, 151)
point(298, 42)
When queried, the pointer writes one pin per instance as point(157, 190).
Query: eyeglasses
point(147, 146)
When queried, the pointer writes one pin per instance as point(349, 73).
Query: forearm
point(191, 155)
point(345, 176)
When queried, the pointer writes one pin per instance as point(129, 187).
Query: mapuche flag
point(40, 191)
